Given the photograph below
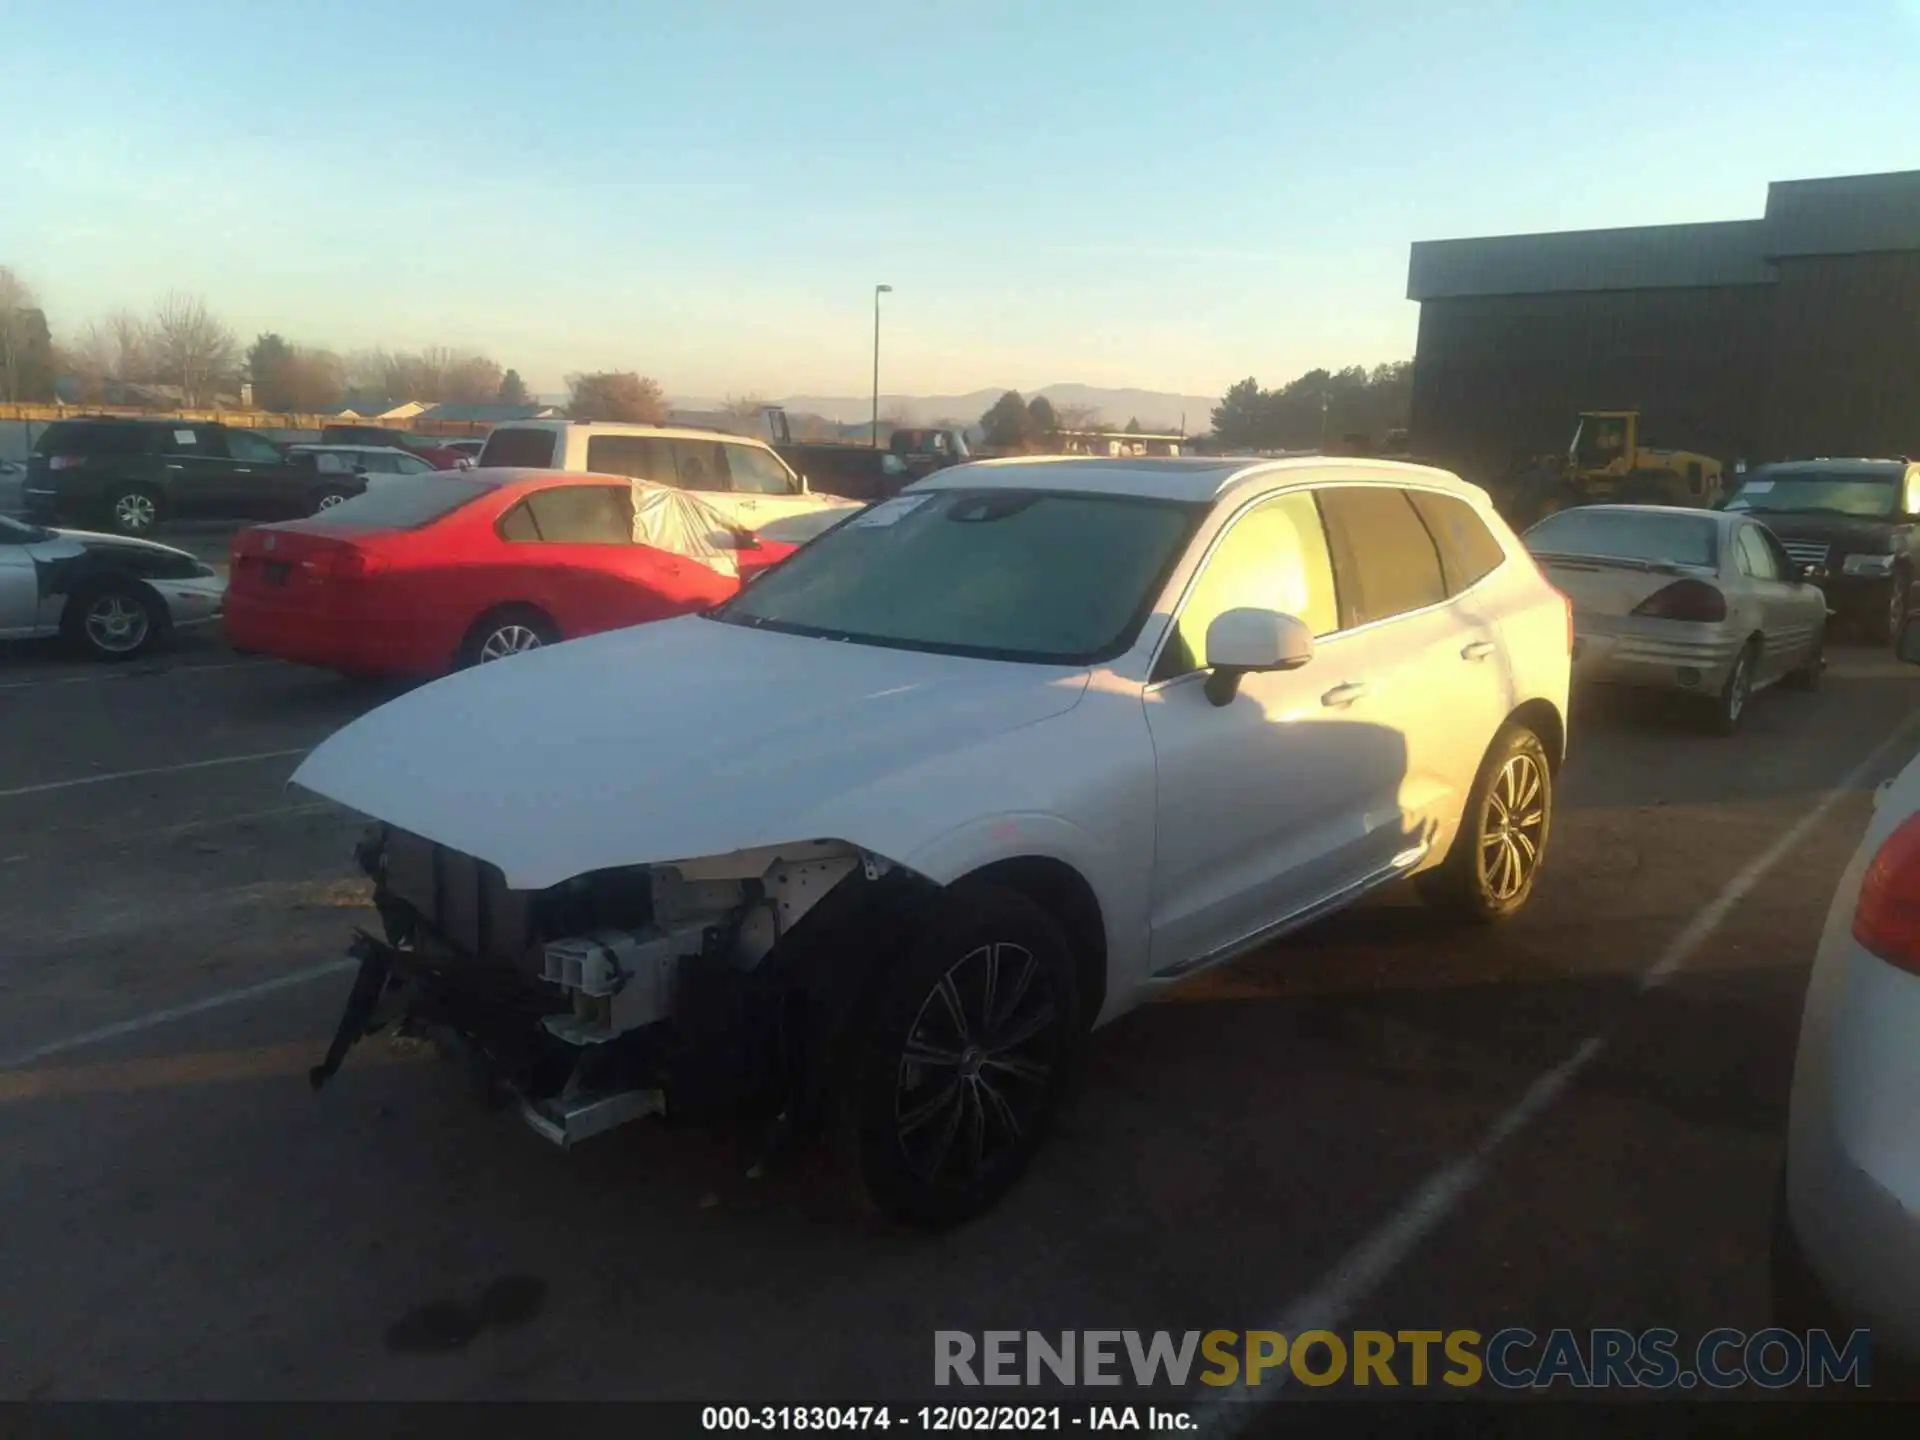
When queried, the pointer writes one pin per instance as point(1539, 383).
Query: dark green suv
point(129, 476)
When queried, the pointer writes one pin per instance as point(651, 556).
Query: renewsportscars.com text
point(1512, 1359)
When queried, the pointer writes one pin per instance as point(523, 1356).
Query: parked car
point(355, 465)
point(987, 764)
point(1854, 525)
point(132, 475)
point(740, 477)
point(109, 597)
point(1846, 1249)
point(422, 574)
point(381, 437)
point(1706, 603)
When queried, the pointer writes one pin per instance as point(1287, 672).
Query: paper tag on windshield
point(183, 437)
point(889, 512)
point(1756, 487)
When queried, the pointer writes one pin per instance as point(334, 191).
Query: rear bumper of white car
point(1655, 654)
point(1853, 1144)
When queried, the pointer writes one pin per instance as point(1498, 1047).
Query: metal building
point(1795, 334)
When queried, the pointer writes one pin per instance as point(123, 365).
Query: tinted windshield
point(402, 502)
point(519, 447)
point(1866, 496)
point(1014, 575)
point(1677, 538)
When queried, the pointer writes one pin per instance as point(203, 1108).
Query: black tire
point(135, 510)
point(113, 620)
point(329, 498)
point(1807, 676)
point(1495, 858)
point(493, 637)
point(1886, 628)
point(1730, 706)
point(935, 1151)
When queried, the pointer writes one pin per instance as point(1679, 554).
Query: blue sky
point(1118, 193)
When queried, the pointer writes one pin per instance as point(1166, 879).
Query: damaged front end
point(715, 990)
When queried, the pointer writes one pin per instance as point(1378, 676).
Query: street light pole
point(878, 291)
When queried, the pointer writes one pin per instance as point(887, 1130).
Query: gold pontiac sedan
point(1700, 601)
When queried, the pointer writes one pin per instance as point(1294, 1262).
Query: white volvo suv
point(870, 847)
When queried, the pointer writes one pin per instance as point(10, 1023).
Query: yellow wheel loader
point(1605, 463)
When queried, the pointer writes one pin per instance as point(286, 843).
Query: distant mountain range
point(1154, 409)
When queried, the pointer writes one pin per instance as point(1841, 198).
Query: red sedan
point(425, 573)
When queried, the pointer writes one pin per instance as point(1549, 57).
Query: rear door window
point(638, 457)
point(533, 449)
point(753, 471)
point(1384, 559)
point(579, 515)
point(1468, 551)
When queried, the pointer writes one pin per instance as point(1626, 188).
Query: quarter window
point(754, 471)
point(1468, 551)
point(1273, 557)
point(1384, 559)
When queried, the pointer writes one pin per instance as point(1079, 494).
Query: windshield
point(402, 503)
point(1036, 576)
point(1869, 497)
point(1677, 538)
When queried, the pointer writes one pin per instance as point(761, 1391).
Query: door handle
point(1477, 650)
point(1341, 696)
point(176, 467)
point(243, 469)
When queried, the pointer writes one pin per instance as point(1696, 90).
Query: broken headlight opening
point(708, 989)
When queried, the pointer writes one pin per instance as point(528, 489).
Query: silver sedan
point(109, 596)
point(1704, 602)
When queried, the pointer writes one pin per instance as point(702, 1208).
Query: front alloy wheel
point(969, 1037)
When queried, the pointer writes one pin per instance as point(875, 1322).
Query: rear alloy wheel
point(971, 1038)
point(1735, 695)
point(1490, 870)
point(507, 632)
point(115, 622)
point(134, 512)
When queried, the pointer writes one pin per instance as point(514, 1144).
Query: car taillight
point(1886, 920)
point(350, 563)
point(65, 462)
point(1684, 600)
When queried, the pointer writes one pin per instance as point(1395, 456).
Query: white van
point(741, 477)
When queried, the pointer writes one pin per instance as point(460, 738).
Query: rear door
point(1415, 660)
point(200, 480)
point(1789, 612)
point(575, 545)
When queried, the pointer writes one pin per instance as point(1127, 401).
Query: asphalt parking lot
point(1377, 1123)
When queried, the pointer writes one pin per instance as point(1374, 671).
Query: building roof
point(1195, 478)
point(497, 414)
point(1840, 216)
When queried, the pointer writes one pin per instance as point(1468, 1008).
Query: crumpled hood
point(672, 741)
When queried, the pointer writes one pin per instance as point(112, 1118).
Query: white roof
point(1193, 478)
point(630, 427)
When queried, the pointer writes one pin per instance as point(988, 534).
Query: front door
point(200, 481)
point(761, 488)
point(19, 581)
point(1262, 803)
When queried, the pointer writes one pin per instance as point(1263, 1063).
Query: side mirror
point(1907, 646)
point(1248, 641)
point(745, 540)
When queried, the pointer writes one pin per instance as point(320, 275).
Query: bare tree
point(616, 395)
point(1079, 417)
point(194, 350)
point(16, 299)
point(744, 407)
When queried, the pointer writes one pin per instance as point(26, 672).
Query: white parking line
point(49, 786)
point(1364, 1268)
point(48, 681)
point(175, 1012)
